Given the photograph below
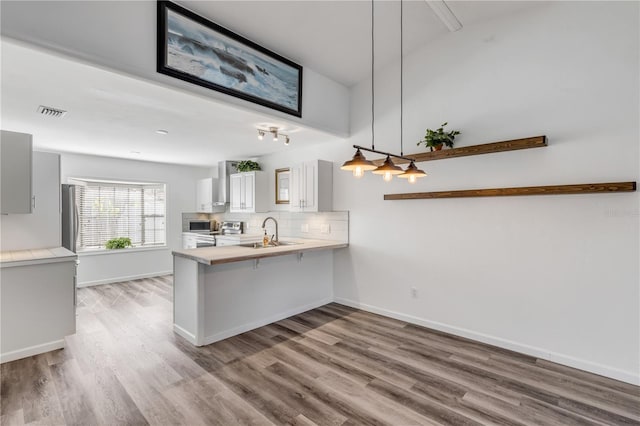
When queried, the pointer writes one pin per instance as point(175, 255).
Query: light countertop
point(228, 254)
point(35, 256)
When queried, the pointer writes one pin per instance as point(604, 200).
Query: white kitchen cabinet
point(16, 158)
point(189, 240)
point(312, 186)
point(248, 192)
point(38, 302)
point(206, 195)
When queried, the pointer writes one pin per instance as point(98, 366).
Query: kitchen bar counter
point(220, 292)
point(228, 254)
point(10, 259)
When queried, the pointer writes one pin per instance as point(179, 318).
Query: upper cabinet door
point(249, 181)
point(204, 196)
point(235, 193)
point(295, 187)
point(16, 156)
point(310, 182)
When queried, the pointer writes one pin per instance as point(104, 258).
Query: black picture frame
point(227, 72)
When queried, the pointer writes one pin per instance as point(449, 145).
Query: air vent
point(51, 112)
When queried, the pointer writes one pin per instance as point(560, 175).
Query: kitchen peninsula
point(220, 292)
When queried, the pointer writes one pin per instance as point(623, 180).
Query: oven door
point(205, 241)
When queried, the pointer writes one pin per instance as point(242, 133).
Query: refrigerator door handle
point(76, 226)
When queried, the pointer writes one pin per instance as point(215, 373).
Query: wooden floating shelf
point(585, 188)
point(487, 148)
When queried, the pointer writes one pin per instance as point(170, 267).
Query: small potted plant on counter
point(118, 243)
point(247, 166)
point(434, 139)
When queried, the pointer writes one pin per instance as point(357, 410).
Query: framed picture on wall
point(202, 52)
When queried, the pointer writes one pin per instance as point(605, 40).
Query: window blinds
point(110, 210)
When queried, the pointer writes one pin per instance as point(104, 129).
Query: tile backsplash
point(320, 226)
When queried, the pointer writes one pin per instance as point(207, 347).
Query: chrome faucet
point(264, 224)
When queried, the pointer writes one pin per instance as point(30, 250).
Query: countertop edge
point(253, 254)
point(39, 257)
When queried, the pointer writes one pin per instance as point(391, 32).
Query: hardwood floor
point(331, 365)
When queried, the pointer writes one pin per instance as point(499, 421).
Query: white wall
point(121, 35)
point(181, 197)
point(42, 228)
point(553, 276)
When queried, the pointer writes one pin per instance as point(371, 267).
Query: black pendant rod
point(373, 98)
point(401, 82)
point(382, 152)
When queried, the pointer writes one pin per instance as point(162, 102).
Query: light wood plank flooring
point(332, 365)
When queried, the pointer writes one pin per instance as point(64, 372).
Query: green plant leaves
point(247, 166)
point(433, 138)
point(118, 243)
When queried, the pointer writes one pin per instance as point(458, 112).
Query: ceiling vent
point(51, 112)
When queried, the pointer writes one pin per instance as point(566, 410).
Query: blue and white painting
point(208, 55)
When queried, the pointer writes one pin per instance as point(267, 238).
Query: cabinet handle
point(33, 202)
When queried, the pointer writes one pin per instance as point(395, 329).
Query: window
point(109, 210)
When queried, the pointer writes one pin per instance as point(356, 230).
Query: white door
point(204, 201)
point(235, 189)
point(295, 203)
point(310, 199)
point(249, 192)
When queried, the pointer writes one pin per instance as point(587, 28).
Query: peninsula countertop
point(228, 254)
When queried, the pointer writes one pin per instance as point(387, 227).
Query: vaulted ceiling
point(115, 114)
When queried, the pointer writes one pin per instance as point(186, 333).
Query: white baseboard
point(262, 322)
point(581, 364)
point(121, 279)
point(31, 351)
point(191, 338)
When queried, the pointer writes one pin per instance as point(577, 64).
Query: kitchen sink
point(260, 246)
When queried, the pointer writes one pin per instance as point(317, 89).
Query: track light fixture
point(275, 134)
point(358, 165)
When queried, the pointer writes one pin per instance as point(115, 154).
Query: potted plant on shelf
point(118, 243)
point(247, 166)
point(435, 139)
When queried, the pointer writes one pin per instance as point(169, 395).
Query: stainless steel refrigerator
point(70, 218)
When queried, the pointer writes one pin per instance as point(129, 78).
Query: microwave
point(201, 226)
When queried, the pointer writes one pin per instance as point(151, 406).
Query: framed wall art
point(202, 52)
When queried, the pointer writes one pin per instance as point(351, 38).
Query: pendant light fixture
point(359, 164)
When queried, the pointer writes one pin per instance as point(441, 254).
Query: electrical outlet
point(325, 228)
point(304, 227)
point(414, 292)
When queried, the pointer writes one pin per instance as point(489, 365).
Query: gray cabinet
point(37, 307)
point(16, 159)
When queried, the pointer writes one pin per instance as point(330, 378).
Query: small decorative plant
point(434, 139)
point(247, 166)
point(118, 243)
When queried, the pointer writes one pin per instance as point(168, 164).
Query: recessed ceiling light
point(134, 152)
point(162, 132)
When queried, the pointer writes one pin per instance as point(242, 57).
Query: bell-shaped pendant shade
point(388, 168)
point(412, 173)
point(359, 163)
